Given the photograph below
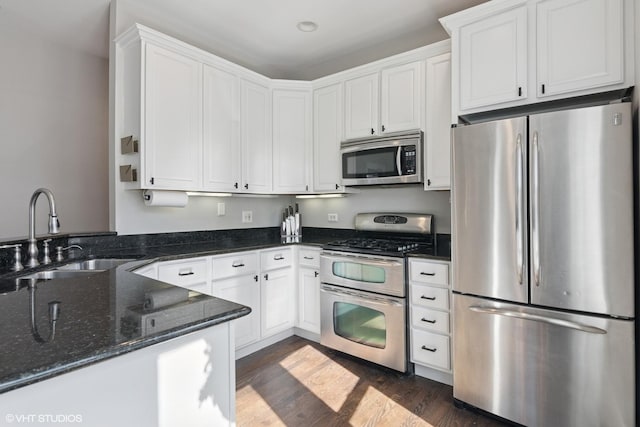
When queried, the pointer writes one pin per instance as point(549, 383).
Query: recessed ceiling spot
point(307, 26)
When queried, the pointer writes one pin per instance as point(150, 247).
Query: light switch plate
point(221, 209)
point(332, 217)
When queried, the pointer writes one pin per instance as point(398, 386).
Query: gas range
point(389, 235)
point(380, 246)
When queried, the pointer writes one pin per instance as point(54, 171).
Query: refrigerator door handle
point(535, 208)
point(537, 318)
point(519, 210)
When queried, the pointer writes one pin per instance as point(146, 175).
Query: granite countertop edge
point(117, 350)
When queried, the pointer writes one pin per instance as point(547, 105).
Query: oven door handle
point(374, 300)
point(363, 260)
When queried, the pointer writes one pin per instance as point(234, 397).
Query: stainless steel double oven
point(363, 292)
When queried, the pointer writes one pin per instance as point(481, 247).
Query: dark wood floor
point(297, 382)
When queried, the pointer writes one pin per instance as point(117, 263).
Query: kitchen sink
point(76, 268)
point(98, 264)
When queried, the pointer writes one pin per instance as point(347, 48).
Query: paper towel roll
point(165, 297)
point(176, 199)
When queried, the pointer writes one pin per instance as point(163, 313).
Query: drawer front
point(430, 297)
point(183, 273)
point(433, 320)
point(273, 259)
point(309, 257)
point(430, 349)
point(429, 272)
point(234, 265)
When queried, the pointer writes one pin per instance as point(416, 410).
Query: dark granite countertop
point(92, 306)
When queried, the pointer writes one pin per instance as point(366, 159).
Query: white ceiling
point(259, 34)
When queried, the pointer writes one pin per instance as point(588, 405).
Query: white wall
point(53, 132)
point(411, 199)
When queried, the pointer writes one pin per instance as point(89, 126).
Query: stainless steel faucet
point(54, 224)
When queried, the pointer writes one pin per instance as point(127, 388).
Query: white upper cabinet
point(514, 52)
point(291, 140)
point(172, 129)
point(361, 106)
point(327, 134)
point(401, 97)
point(383, 102)
point(437, 135)
point(221, 133)
point(256, 137)
point(493, 59)
point(580, 44)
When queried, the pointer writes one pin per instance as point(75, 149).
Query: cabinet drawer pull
point(237, 265)
point(422, 273)
point(255, 277)
point(428, 321)
point(432, 350)
point(308, 257)
point(185, 273)
point(429, 298)
point(278, 258)
point(316, 274)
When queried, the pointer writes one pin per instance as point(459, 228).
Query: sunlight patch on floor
point(332, 392)
point(258, 406)
point(376, 408)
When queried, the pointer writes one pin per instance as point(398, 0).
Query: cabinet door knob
point(372, 131)
point(428, 182)
point(152, 180)
point(316, 274)
point(337, 186)
point(246, 186)
point(520, 91)
point(382, 128)
point(266, 276)
point(235, 185)
point(542, 88)
point(255, 277)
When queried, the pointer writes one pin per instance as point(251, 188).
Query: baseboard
point(311, 336)
point(252, 348)
point(434, 374)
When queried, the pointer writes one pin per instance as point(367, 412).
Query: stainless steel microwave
point(389, 159)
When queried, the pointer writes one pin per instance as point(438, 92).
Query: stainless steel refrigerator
point(543, 267)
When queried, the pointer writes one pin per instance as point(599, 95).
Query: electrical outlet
point(247, 216)
point(221, 209)
point(332, 217)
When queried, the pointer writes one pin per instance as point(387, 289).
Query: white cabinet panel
point(173, 119)
point(437, 136)
point(309, 300)
point(580, 44)
point(243, 290)
point(221, 138)
point(430, 349)
point(400, 99)
point(361, 106)
point(291, 140)
point(256, 137)
point(327, 135)
point(278, 300)
point(493, 59)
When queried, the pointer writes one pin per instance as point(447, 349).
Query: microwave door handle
point(398, 160)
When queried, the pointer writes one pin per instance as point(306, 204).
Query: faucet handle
point(17, 254)
point(59, 250)
point(45, 252)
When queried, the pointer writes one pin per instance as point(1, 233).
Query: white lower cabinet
point(243, 290)
point(429, 313)
point(235, 277)
point(277, 297)
point(309, 290)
